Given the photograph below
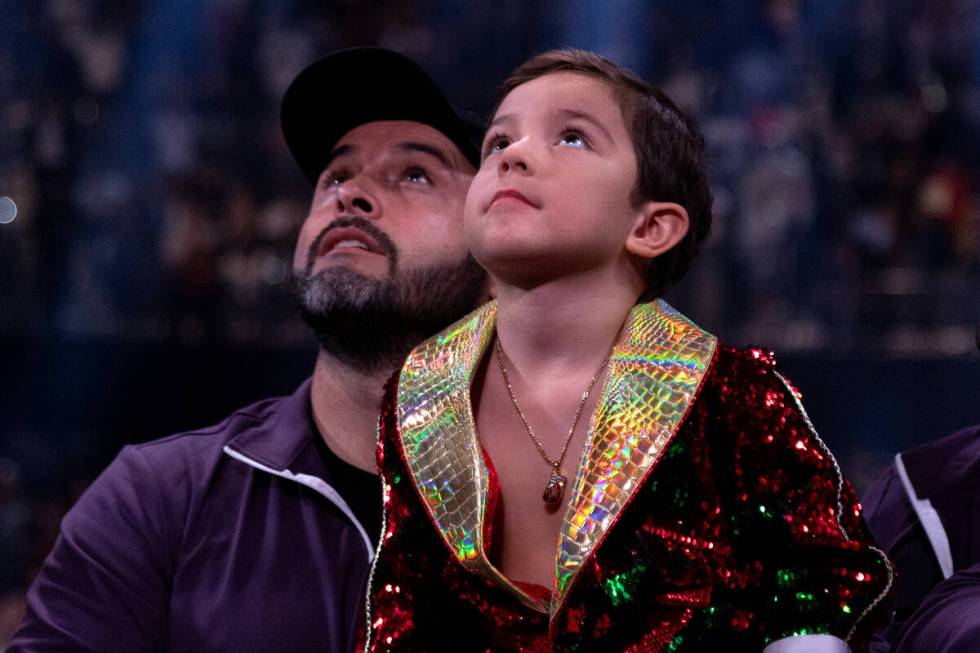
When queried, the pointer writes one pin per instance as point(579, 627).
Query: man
point(947, 621)
point(257, 534)
point(924, 512)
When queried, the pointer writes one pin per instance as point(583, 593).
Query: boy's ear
point(657, 228)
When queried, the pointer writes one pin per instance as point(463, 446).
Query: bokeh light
point(8, 210)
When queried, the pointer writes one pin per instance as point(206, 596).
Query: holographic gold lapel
point(438, 436)
point(437, 430)
point(653, 377)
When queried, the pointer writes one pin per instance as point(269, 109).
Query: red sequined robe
point(706, 513)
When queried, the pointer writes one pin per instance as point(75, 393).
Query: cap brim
point(352, 87)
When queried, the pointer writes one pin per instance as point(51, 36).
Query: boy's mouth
point(511, 194)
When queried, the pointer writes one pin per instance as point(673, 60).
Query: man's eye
point(334, 178)
point(417, 176)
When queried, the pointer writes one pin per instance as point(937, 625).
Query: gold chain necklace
point(556, 483)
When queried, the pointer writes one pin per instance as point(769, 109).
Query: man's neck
point(346, 403)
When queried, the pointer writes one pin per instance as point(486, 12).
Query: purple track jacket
point(213, 540)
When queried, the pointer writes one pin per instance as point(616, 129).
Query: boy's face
point(552, 196)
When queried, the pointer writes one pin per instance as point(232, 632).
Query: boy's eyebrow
point(431, 150)
point(503, 117)
point(572, 113)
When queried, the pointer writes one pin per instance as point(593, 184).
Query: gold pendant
point(555, 488)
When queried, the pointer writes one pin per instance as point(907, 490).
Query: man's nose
point(354, 199)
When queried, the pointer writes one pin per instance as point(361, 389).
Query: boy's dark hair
point(669, 150)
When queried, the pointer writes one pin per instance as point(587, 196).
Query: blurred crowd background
point(144, 282)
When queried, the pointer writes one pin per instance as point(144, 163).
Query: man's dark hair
point(669, 150)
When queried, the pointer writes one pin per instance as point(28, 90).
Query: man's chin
point(339, 289)
point(373, 323)
point(366, 264)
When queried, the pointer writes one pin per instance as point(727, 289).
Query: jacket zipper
point(315, 483)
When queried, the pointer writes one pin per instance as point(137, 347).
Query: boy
point(703, 510)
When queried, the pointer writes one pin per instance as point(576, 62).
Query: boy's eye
point(574, 139)
point(495, 143)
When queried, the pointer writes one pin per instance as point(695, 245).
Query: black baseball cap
point(351, 87)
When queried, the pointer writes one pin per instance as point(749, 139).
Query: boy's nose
point(516, 158)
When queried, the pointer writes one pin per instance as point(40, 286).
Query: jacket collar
point(279, 439)
point(937, 467)
point(654, 375)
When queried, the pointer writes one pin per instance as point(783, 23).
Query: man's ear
point(657, 228)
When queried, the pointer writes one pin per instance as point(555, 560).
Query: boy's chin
point(511, 262)
point(526, 274)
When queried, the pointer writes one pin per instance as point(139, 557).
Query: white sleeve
point(808, 644)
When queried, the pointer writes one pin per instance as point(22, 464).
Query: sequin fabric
point(653, 377)
point(743, 533)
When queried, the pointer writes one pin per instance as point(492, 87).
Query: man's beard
point(372, 324)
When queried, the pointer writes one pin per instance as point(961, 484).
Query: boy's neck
point(561, 326)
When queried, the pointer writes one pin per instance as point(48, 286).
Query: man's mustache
point(385, 244)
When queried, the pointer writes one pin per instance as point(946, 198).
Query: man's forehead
point(387, 137)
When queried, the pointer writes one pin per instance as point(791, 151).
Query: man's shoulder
point(213, 436)
point(184, 463)
point(934, 468)
point(265, 421)
point(945, 465)
point(159, 480)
